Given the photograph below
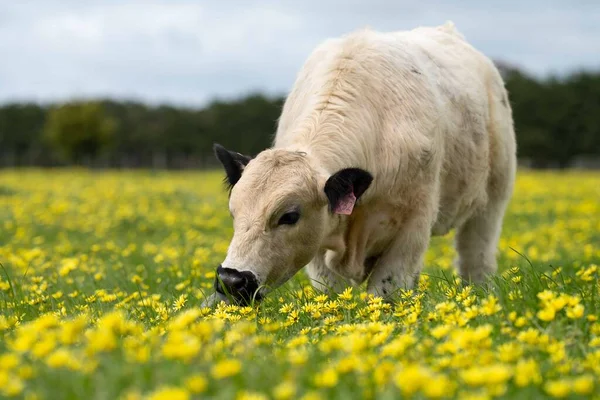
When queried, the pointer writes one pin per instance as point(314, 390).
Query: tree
point(20, 125)
point(79, 131)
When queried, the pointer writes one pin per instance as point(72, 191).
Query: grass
point(102, 275)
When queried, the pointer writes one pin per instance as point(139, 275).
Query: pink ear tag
point(345, 205)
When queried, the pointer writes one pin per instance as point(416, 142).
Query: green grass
point(103, 274)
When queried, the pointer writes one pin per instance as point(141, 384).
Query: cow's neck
point(355, 242)
point(348, 243)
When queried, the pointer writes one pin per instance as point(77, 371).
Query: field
point(103, 274)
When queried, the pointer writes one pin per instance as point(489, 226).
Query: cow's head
point(283, 208)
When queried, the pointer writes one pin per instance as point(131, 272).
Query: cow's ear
point(233, 163)
point(344, 188)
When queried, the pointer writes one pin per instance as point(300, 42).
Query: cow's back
point(411, 107)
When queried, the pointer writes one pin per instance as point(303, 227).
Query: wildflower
point(196, 383)
point(179, 302)
point(169, 393)
point(508, 352)
point(251, 396)
point(557, 388)
point(12, 386)
point(583, 385)
point(411, 379)
point(327, 378)
point(62, 358)
point(575, 312)
point(226, 368)
point(489, 375)
point(297, 356)
point(181, 345)
point(439, 386)
point(285, 390)
point(440, 331)
point(527, 372)
point(490, 306)
point(383, 372)
point(346, 294)
point(297, 341)
point(546, 314)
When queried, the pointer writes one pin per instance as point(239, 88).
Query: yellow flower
point(583, 385)
point(181, 345)
point(440, 331)
point(297, 356)
point(12, 387)
point(62, 358)
point(411, 379)
point(251, 396)
point(100, 340)
point(382, 372)
point(546, 314)
point(44, 346)
point(226, 368)
point(327, 378)
point(575, 312)
point(285, 390)
point(346, 294)
point(439, 386)
point(9, 361)
point(557, 388)
point(488, 375)
point(179, 302)
point(490, 306)
point(196, 383)
point(71, 330)
point(169, 393)
point(527, 372)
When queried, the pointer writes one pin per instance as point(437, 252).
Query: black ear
point(233, 163)
point(345, 187)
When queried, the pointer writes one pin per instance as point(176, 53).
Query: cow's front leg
point(400, 266)
point(323, 278)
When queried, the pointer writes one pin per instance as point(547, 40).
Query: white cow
point(384, 140)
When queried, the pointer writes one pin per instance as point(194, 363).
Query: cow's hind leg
point(477, 243)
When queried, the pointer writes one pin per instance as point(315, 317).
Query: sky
point(191, 52)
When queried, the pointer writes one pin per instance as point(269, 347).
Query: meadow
point(102, 276)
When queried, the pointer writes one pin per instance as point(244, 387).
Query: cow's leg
point(477, 243)
point(400, 266)
point(323, 278)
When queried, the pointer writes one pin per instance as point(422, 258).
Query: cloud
point(189, 52)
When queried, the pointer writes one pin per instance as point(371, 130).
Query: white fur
point(428, 116)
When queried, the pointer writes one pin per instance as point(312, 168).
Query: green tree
point(79, 131)
point(20, 126)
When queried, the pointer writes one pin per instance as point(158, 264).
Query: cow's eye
point(289, 218)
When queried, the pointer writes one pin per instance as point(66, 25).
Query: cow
point(385, 140)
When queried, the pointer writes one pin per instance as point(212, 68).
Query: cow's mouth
point(243, 291)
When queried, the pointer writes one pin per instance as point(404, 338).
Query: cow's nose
point(232, 279)
point(242, 285)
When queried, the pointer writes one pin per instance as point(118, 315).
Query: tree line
point(556, 120)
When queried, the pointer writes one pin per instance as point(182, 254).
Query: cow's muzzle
point(242, 286)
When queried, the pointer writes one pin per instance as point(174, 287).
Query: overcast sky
point(189, 52)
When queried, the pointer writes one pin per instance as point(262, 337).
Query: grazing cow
point(385, 140)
